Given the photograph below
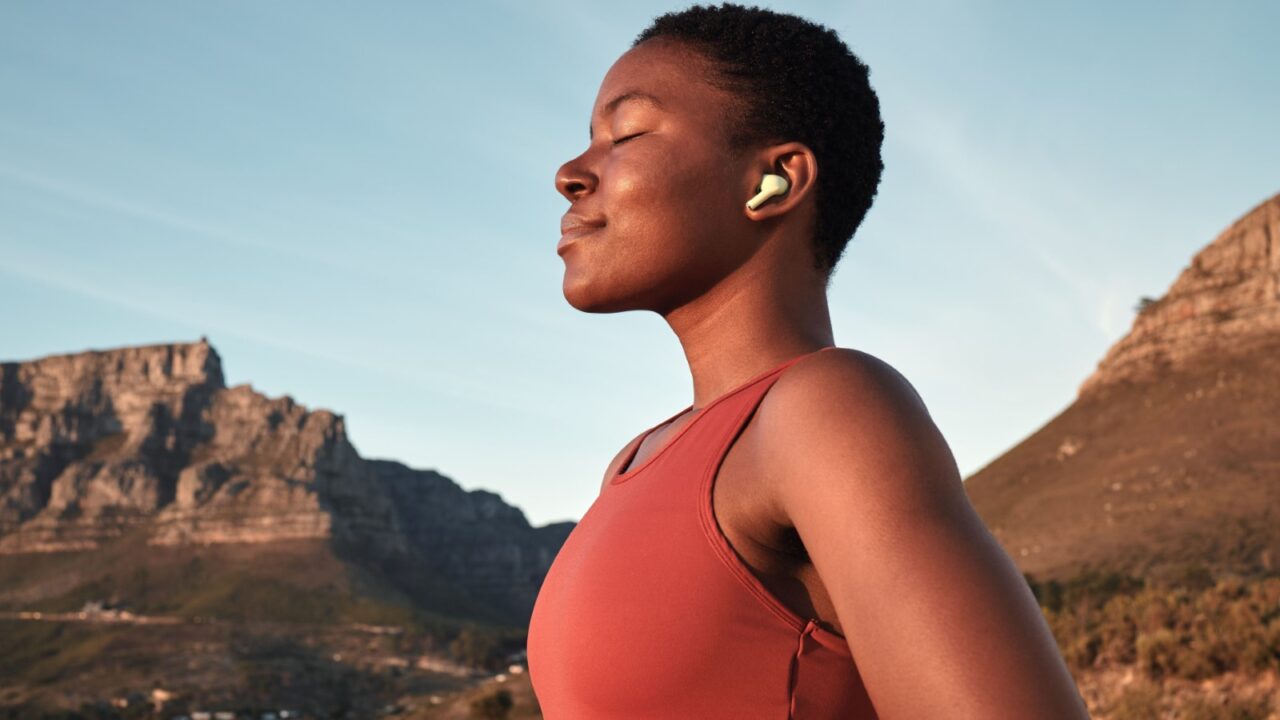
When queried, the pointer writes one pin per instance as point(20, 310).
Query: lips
point(569, 237)
point(574, 226)
point(573, 221)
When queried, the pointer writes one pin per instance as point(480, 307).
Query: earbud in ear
point(770, 185)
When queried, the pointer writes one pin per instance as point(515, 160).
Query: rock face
point(96, 443)
point(1226, 301)
point(1168, 462)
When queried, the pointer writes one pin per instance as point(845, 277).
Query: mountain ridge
point(97, 443)
point(1167, 463)
point(1227, 300)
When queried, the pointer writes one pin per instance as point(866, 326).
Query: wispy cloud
point(1015, 199)
point(178, 226)
point(98, 200)
point(207, 321)
point(61, 280)
point(373, 262)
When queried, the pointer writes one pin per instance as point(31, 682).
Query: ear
point(792, 160)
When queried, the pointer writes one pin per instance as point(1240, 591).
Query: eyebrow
point(613, 104)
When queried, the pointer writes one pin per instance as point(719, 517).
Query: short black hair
point(797, 81)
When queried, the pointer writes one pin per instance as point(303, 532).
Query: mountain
point(1168, 460)
point(146, 448)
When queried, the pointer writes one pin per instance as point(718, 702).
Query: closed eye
point(619, 141)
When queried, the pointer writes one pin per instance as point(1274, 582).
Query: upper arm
point(925, 595)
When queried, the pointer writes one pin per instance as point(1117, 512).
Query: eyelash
point(619, 141)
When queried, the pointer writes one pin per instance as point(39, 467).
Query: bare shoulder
point(846, 417)
point(852, 375)
point(851, 459)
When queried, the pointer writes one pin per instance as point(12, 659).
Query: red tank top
point(648, 612)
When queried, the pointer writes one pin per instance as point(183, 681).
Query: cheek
point(668, 218)
point(670, 200)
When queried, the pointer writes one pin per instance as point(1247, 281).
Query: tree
point(1144, 303)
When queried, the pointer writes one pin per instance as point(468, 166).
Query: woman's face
point(658, 185)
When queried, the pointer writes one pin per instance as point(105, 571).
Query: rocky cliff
point(98, 443)
point(1226, 302)
point(1168, 461)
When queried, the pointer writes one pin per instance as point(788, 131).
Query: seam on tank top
point(720, 544)
point(793, 673)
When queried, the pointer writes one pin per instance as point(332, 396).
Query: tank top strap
point(720, 434)
point(727, 415)
point(744, 400)
point(692, 442)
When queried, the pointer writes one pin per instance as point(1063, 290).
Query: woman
point(797, 542)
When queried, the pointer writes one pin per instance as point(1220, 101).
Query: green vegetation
point(1140, 701)
point(240, 595)
point(1193, 633)
point(1144, 701)
point(1230, 709)
point(485, 647)
point(300, 585)
point(1145, 303)
point(494, 706)
point(37, 652)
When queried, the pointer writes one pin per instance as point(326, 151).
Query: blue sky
point(355, 203)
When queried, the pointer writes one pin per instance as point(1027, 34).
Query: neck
point(748, 323)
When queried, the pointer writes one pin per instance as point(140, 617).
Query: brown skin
point(841, 493)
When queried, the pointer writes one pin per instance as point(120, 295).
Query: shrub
point(1140, 701)
point(1227, 709)
point(477, 647)
point(1233, 625)
point(494, 706)
point(1165, 653)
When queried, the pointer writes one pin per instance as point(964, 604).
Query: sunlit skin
point(841, 493)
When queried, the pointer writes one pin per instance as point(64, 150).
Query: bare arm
point(940, 621)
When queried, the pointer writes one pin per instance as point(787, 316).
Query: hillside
point(1168, 462)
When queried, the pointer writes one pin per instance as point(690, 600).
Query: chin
point(589, 297)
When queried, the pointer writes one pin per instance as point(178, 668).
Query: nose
point(573, 180)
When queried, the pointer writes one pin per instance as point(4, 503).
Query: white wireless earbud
point(770, 185)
